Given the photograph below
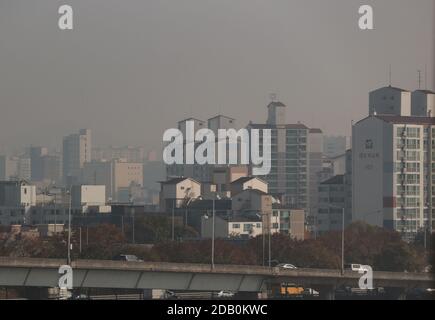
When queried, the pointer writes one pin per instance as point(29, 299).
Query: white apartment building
point(393, 167)
point(296, 157)
point(76, 150)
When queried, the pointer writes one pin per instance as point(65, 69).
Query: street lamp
point(217, 197)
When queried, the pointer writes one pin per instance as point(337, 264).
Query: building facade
point(393, 172)
point(77, 149)
point(296, 153)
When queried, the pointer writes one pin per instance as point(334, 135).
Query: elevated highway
point(18, 272)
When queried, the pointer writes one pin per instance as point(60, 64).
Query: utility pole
point(173, 220)
point(212, 236)
point(342, 242)
point(69, 226)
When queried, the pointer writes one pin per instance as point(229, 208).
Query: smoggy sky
point(131, 69)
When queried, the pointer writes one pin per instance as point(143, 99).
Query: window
point(247, 227)
point(236, 226)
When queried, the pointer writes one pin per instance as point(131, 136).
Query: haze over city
point(131, 71)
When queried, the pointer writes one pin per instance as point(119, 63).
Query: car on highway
point(353, 266)
point(169, 295)
point(225, 294)
point(128, 257)
point(287, 266)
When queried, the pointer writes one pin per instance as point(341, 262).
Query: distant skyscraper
point(36, 156)
point(116, 175)
point(77, 150)
point(334, 146)
point(15, 168)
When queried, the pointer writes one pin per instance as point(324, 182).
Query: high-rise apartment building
point(202, 173)
point(77, 150)
point(296, 156)
point(393, 165)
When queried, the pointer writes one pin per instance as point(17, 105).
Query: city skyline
point(113, 77)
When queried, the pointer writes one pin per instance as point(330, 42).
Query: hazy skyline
point(129, 70)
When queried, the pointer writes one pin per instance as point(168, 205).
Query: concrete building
point(390, 101)
point(36, 155)
point(51, 169)
point(24, 169)
point(118, 176)
point(8, 168)
point(248, 183)
point(202, 173)
point(237, 226)
point(393, 171)
point(44, 167)
point(251, 224)
point(290, 222)
point(177, 191)
point(129, 153)
point(252, 200)
point(221, 122)
point(89, 198)
point(17, 193)
point(334, 145)
point(16, 200)
point(292, 146)
point(77, 150)
point(15, 168)
point(423, 103)
point(225, 175)
point(332, 195)
point(315, 166)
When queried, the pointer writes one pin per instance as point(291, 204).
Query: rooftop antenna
point(425, 76)
point(389, 75)
point(419, 79)
point(273, 97)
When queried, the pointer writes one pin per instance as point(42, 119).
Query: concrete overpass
point(18, 272)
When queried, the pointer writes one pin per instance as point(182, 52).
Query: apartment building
point(296, 152)
point(393, 168)
point(76, 150)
